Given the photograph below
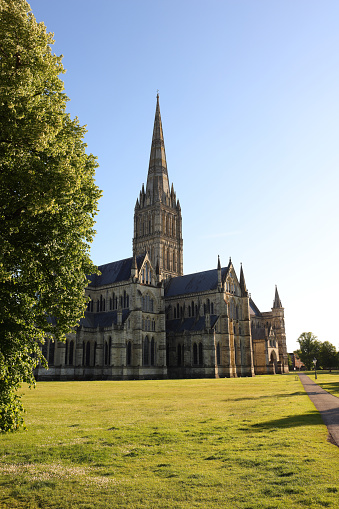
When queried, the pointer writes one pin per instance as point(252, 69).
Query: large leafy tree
point(47, 202)
point(309, 348)
point(328, 357)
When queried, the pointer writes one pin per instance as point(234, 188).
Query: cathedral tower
point(157, 213)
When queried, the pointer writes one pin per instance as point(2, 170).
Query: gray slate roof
point(253, 309)
point(192, 283)
point(104, 319)
point(258, 333)
point(114, 272)
point(189, 324)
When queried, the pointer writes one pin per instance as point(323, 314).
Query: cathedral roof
point(254, 310)
point(104, 319)
point(114, 272)
point(189, 324)
point(258, 333)
point(194, 283)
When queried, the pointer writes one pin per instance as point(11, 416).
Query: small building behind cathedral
point(147, 320)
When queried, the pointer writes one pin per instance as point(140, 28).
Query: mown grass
point(328, 381)
point(244, 443)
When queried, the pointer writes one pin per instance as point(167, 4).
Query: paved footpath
point(326, 404)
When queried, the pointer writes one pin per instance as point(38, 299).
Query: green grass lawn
point(328, 381)
point(228, 443)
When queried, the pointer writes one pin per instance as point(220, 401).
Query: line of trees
point(311, 348)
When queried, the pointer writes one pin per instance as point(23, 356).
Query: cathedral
point(147, 320)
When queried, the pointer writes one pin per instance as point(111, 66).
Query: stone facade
point(146, 320)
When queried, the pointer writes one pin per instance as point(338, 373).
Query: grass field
point(328, 381)
point(245, 443)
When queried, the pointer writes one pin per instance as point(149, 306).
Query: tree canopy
point(48, 199)
point(309, 348)
point(328, 355)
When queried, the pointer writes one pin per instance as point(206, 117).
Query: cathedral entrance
point(273, 363)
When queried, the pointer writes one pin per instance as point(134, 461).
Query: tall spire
point(157, 214)
point(157, 178)
point(277, 301)
point(242, 282)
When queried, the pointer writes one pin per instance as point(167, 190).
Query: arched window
point(195, 354)
point(242, 352)
point(109, 350)
point(212, 308)
point(129, 354)
point(218, 354)
point(66, 352)
point(201, 360)
point(88, 353)
point(146, 351)
point(95, 353)
point(51, 352)
point(71, 352)
point(106, 354)
point(192, 308)
point(179, 355)
point(175, 312)
point(152, 352)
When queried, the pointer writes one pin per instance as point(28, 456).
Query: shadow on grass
point(292, 421)
point(332, 387)
point(253, 398)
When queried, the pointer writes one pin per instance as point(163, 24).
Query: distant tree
point(309, 349)
point(290, 363)
point(328, 355)
point(48, 200)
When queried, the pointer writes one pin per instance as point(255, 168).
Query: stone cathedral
point(147, 320)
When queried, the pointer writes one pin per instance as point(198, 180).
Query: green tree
point(48, 200)
point(309, 349)
point(328, 355)
point(290, 363)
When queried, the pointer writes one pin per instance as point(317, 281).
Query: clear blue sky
point(250, 110)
